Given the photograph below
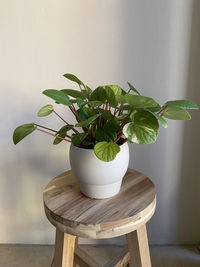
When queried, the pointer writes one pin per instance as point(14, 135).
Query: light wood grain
point(139, 248)
point(72, 212)
point(121, 260)
point(83, 259)
point(64, 249)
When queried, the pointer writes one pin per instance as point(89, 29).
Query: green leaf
point(115, 88)
point(62, 133)
point(22, 131)
point(78, 138)
point(144, 129)
point(106, 151)
point(88, 121)
point(84, 113)
point(74, 93)
point(87, 90)
point(185, 104)
point(110, 96)
point(95, 103)
point(106, 114)
point(45, 111)
point(133, 88)
point(138, 101)
point(107, 133)
point(80, 102)
point(57, 95)
point(99, 94)
point(72, 78)
point(175, 113)
point(161, 119)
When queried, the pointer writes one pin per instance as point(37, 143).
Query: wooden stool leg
point(139, 248)
point(64, 249)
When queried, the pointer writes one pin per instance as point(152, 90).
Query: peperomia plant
point(106, 117)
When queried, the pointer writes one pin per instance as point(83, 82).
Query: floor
point(41, 256)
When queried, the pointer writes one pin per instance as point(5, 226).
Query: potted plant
point(107, 118)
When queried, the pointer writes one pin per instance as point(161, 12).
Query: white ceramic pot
point(99, 179)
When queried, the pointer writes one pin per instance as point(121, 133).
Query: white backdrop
point(154, 45)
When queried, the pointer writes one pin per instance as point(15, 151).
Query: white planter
point(99, 179)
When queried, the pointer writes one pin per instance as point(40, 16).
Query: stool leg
point(139, 248)
point(64, 249)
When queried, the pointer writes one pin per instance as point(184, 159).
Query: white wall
point(153, 44)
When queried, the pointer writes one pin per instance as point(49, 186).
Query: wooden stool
point(75, 215)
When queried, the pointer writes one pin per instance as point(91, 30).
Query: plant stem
point(162, 109)
point(50, 129)
point(73, 129)
point(54, 135)
point(45, 128)
point(125, 120)
point(118, 137)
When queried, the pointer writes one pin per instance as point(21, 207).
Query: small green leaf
point(138, 101)
point(185, 104)
point(99, 94)
point(144, 128)
point(161, 119)
point(74, 93)
point(115, 88)
point(111, 96)
point(106, 114)
point(62, 133)
point(78, 138)
point(45, 111)
point(175, 113)
point(22, 131)
point(57, 95)
point(80, 102)
point(88, 121)
point(72, 78)
point(95, 103)
point(133, 88)
point(106, 151)
point(107, 133)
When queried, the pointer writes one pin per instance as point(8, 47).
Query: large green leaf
point(175, 113)
point(99, 94)
point(185, 104)
point(22, 131)
point(107, 133)
point(143, 130)
point(88, 121)
point(138, 101)
point(133, 88)
point(62, 133)
point(45, 111)
point(78, 138)
point(74, 93)
point(59, 96)
point(106, 151)
point(72, 78)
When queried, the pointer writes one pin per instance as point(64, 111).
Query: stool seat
point(72, 212)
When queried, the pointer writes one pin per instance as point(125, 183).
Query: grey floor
point(41, 256)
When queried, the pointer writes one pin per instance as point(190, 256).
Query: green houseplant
point(107, 118)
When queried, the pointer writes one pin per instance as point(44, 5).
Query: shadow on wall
point(189, 193)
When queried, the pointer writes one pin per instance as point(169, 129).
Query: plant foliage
point(106, 117)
